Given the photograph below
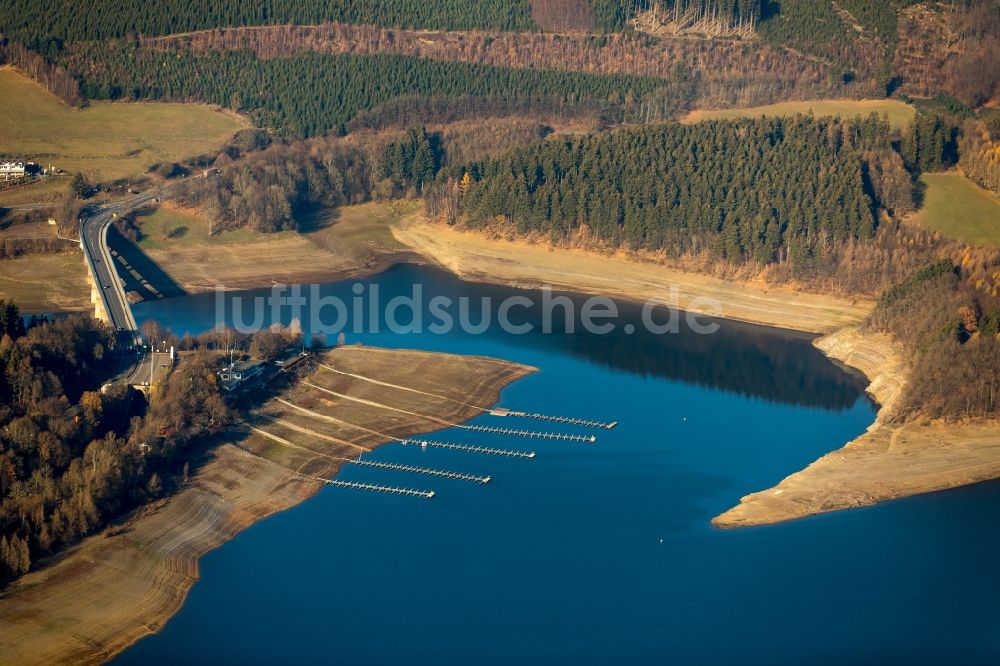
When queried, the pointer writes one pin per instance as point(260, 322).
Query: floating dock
point(530, 433)
point(500, 411)
point(426, 494)
point(468, 447)
point(422, 470)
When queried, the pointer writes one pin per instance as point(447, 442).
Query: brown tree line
point(952, 48)
point(979, 154)
point(264, 344)
point(52, 77)
point(72, 457)
point(16, 243)
point(264, 190)
point(947, 315)
point(405, 111)
point(268, 187)
point(974, 75)
point(562, 15)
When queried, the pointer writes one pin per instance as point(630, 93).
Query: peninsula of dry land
point(111, 590)
point(889, 461)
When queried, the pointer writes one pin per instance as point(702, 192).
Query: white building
point(237, 374)
point(11, 170)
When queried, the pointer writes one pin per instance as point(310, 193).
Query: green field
point(349, 231)
point(899, 114)
point(167, 227)
point(106, 141)
point(360, 230)
point(958, 208)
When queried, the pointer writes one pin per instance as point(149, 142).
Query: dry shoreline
point(475, 256)
point(107, 592)
point(888, 461)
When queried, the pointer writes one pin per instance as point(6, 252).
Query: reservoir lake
point(600, 553)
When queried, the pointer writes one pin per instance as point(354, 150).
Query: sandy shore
point(475, 256)
point(110, 591)
point(889, 461)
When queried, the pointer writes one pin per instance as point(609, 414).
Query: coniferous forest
point(764, 190)
point(46, 25)
point(311, 94)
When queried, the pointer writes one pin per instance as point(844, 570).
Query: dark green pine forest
point(763, 190)
point(46, 25)
point(311, 94)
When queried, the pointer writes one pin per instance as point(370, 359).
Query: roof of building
point(243, 366)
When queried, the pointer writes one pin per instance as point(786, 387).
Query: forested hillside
point(947, 315)
point(726, 71)
point(790, 199)
point(48, 494)
point(310, 94)
point(563, 15)
point(265, 190)
point(979, 151)
point(858, 38)
point(859, 35)
point(46, 25)
point(767, 190)
point(72, 457)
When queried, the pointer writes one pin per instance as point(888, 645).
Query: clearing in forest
point(899, 114)
point(958, 208)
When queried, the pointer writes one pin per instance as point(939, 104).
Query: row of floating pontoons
point(470, 448)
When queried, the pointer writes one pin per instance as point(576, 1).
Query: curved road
point(94, 240)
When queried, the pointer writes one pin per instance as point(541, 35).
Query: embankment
point(109, 591)
point(475, 256)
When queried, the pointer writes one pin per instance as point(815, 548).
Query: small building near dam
point(239, 374)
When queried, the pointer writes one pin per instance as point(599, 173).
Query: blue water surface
point(604, 553)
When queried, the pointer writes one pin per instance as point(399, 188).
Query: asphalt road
point(93, 236)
